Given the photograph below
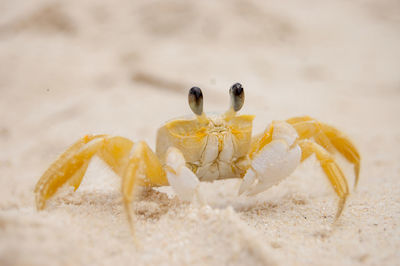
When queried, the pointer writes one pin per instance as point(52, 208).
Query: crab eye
point(237, 96)
point(196, 100)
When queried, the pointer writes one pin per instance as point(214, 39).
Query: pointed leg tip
point(342, 203)
point(40, 203)
point(130, 218)
point(355, 184)
point(132, 229)
point(357, 175)
point(338, 214)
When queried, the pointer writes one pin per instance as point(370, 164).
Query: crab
point(208, 147)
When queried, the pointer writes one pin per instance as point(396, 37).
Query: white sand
point(124, 67)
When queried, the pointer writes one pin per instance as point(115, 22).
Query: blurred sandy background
point(68, 68)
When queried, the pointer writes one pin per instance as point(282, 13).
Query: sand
point(123, 68)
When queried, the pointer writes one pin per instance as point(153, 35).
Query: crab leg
point(136, 163)
point(328, 137)
point(331, 169)
point(143, 170)
point(72, 164)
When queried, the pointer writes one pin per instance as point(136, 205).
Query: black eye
point(196, 100)
point(237, 96)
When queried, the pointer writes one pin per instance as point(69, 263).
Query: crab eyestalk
point(196, 103)
point(237, 96)
point(237, 99)
point(196, 100)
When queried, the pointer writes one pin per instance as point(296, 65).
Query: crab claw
point(275, 161)
point(248, 181)
point(183, 181)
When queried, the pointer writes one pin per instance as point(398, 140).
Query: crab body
point(206, 148)
point(214, 146)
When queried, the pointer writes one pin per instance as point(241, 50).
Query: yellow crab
point(205, 148)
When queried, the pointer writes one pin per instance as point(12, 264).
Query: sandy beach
point(70, 68)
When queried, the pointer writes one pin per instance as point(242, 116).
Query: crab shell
point(214, 146)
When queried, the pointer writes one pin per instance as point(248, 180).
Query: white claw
point(183, 181)
point(274, 162)
point(248, 181)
